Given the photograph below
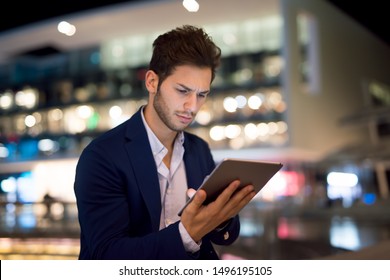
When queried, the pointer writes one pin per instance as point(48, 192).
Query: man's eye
point(183, 91)
point(202, 95)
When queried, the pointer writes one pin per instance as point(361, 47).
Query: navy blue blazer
point(119, 203)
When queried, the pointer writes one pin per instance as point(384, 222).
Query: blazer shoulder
point(195, 140)
point(120, 133)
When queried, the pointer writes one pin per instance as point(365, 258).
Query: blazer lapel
point(142, 162)
point(191, 161)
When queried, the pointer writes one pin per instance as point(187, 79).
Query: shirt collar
point(158, 149)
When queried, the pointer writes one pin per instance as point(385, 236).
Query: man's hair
point(186, 45)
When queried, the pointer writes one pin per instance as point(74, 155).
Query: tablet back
point(257, 173)
point(254, 172)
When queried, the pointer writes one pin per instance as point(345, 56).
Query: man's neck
point(165, 135)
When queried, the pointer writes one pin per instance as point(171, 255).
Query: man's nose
point(191, 102)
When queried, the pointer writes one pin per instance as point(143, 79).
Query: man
point(132, 181)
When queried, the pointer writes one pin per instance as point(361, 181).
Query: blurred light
point(217, 133)
point(274, 99)
point(77, 126)
point(294, 181)
point(347, 195)
point(27, 219)
point(237, 143)
point(282, 127)
point(6, 100)
point(229, 39)
point(343, 186)
point(28, 148)
point(48, 146)
point(274, 188)
point(84, 111)
point(118, 51)
point(344, 234)
point(251, 131)
point(30, 121)
point(94, 58)
point(10, 208)
point(254, 102)
point(26, 190)
point(251, 229)
point(66, 28)
point(243, 75)
point(273, 66)
point(8, 185)
point(37, 116)
point(273, 128)
point(203, 117)
point(281, 107)
point(4, 153)
point(191, 5)
point(57, 209)
point(26, 98)
point(289, 230)
point(241, 101)
point(55, 177)
point(263, 129)
point(230, 104)
point(12, 148)
point(232, 131)
point(369, 198)
point(55, 115)
point(93, 121)
point(340, 179)
point(125, 89)
point(115, 112)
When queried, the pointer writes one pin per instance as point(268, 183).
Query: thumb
point(199, 197)
point(191, 192)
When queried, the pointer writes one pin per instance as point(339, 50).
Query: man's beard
point(162, 111)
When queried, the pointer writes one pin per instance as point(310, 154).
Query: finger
point(240, 200)
point(237, 201)
point(243, 193)
point(198, 199)
point(190, 192)
point(228, 192)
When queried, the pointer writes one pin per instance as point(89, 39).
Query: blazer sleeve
point(228, 234)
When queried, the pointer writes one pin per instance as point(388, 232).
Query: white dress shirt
point(173, 184)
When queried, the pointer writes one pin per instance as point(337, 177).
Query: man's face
point(181, 95)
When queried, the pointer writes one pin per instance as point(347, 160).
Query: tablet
point(254, 172)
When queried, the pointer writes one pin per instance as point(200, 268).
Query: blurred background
point(302, 82)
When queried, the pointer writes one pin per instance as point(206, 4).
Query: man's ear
point(151, 81)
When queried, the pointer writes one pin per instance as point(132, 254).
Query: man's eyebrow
point(190, 89)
